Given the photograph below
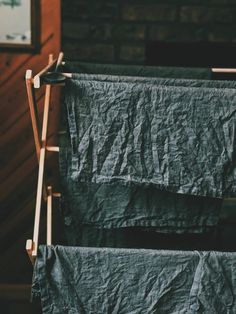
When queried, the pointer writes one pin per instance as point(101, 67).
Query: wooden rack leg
point(49, 216)
point(33, 111)
point(41, 148)
point(38, 201)
point(41, 171)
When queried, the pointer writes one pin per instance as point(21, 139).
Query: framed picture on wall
point(19, 24)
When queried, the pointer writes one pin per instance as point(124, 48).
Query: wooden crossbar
point(223, 70)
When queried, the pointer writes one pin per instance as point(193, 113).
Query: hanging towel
point(179, 139)
point(77, 280)
point(137, 70)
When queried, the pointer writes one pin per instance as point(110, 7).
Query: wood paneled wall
point(17, 157)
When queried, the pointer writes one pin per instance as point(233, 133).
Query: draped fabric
point(117, 206)
point(91, 280)
point(180, 139)
point(147, 154)
point(155, 80)
point(137, 70)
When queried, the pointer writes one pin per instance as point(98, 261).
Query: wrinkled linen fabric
point(119, 205)
point(137, 70)
point(114, 205)
point(157, 81)
point(180, 139)
point(123, 204)
point(77, 280)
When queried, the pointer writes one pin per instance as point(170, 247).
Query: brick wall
point(117, 31)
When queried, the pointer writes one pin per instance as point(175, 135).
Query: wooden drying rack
point(41, 147)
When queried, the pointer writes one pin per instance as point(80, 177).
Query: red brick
point(75, 30)
point(88, 51)
point(202, 14)
point(132, 53)
point(129, 31)
point(155, 12)
point(177, 32)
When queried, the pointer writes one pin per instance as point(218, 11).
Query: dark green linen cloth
point(77, 280)
point(156, 80)
point(177, 138)
point(124, 203)
point(137, 70)
point(118, 205)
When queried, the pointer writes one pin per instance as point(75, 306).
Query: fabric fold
point(138, 70)
point(114, 205)
point(156, 80)
point(98, 280)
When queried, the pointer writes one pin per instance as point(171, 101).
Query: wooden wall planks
point(18, 160)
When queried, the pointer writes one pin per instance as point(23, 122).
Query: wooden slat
point(19, 176)
point(21, 173)
point(15, 89)
point(12, 117)
point(50, 21)
point(17, 218)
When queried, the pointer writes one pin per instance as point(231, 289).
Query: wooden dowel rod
point(38, 201)
point(33, 111)
point(215, 70)
point(223, 70)
point(66, 74)
point(59, 59)
point(49, 216)
point(52, 148)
